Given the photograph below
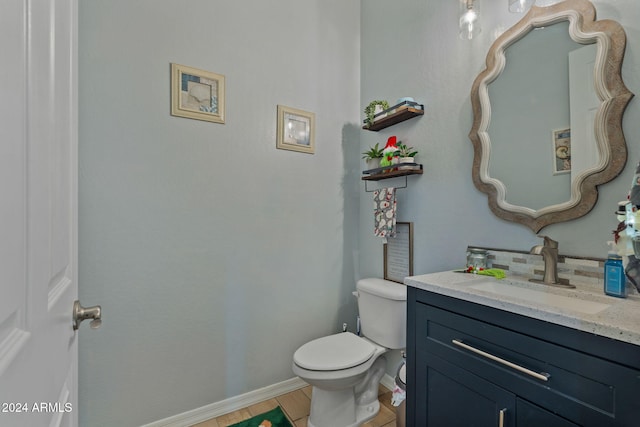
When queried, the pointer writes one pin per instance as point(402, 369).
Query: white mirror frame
point(614, 96)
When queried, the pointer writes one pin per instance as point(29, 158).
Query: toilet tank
point(383, 311)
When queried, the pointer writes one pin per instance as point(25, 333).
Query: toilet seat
point(334, 352)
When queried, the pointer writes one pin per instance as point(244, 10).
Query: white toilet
point(345, 369)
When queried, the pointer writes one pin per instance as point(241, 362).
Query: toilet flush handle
point(355, 294)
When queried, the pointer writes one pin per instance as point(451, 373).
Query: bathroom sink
point(547, 298)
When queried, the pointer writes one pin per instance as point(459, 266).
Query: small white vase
point(377, 110)
point(373, 164)
point(406, 160)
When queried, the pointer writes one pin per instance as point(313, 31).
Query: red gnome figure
point(389, 152)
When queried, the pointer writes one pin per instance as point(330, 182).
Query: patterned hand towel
point(384, 201)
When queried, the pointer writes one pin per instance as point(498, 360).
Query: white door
point(38, 224)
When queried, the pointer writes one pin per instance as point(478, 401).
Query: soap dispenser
point(614, 279)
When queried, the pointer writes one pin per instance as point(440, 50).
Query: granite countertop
point(581, 308)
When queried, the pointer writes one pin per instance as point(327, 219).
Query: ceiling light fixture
point(469, 23)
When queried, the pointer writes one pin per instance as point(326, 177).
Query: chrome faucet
point(549, 252)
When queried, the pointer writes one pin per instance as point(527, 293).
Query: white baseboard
point(223, 407)
point(388, 381)
point(217, 409)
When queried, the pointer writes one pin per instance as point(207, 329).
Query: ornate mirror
point(547, 127)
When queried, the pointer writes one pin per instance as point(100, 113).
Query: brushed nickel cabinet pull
point(541, 376)
point(503, 412)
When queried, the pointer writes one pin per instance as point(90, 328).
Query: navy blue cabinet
point(530, 415)
point(457, 398)
point(473, 365)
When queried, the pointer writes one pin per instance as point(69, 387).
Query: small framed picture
point(398, 253)
point(561, 151)
point(295, 130)
point(197, 94)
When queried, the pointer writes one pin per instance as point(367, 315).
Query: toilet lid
point(339, 351)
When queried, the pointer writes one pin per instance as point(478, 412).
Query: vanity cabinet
point(474, 365)
point(457, 397)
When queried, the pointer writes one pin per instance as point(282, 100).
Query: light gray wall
point(212, 273)
point(412, 49)
point(213, 254)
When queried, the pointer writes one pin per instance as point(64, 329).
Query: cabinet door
point(530, 415)
point(458, 398)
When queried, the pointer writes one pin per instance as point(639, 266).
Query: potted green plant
point(372, 156)
point(406, 154)
point(374, 108)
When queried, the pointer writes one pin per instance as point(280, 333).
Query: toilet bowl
point(345, 369)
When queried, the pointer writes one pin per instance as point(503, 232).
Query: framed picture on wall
point(398, 253)
point(295, 130)
point(561, 151)
point(197, 94)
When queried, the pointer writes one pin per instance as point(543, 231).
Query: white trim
point(223, 407)
point(388, 381)
point(226, 406)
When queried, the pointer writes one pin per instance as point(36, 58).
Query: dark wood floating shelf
point(389, 172)
point(405, 113)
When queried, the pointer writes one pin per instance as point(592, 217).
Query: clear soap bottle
point(614, 278)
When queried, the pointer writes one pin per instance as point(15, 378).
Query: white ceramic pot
point(377, 110)
point(406, 160)
point(373, 163)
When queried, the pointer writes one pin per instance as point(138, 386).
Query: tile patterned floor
point(296, 405)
